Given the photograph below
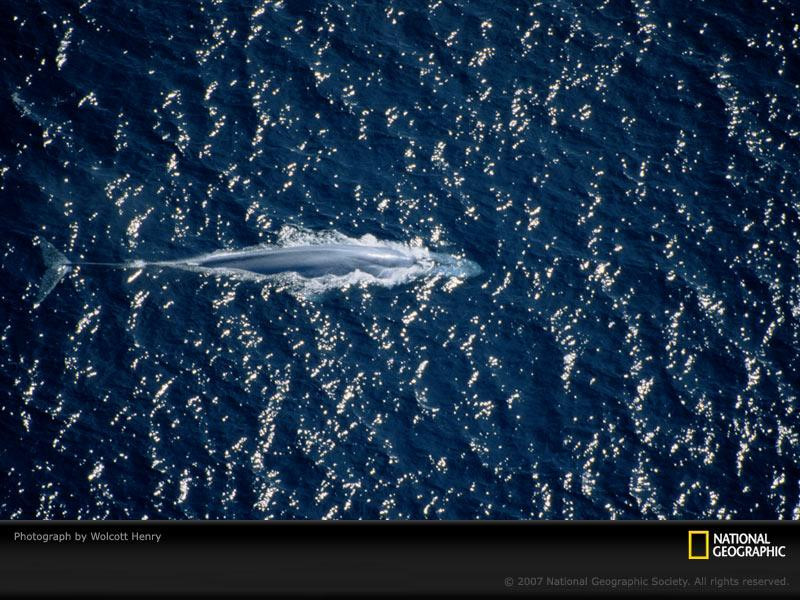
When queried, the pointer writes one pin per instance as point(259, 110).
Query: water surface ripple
point(625, 173)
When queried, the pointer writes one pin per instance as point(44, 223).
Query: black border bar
point(393, 558)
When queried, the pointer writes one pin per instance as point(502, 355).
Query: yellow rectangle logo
point(695, 553)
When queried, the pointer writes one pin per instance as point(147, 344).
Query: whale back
point(313, 261)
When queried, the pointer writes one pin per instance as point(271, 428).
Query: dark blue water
point(624, 172)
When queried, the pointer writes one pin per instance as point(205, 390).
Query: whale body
point(387, 263)
point(308, 261)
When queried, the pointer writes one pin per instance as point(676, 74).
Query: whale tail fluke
point(57, 265)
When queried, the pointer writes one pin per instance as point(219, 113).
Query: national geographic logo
point(702, 545)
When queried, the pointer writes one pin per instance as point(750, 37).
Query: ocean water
point(625, 173)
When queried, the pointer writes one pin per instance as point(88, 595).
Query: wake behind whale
point(314, 264)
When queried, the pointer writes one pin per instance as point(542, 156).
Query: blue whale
point(309, 261)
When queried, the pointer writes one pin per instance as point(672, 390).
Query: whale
point(381, 262)
point(309, 261)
